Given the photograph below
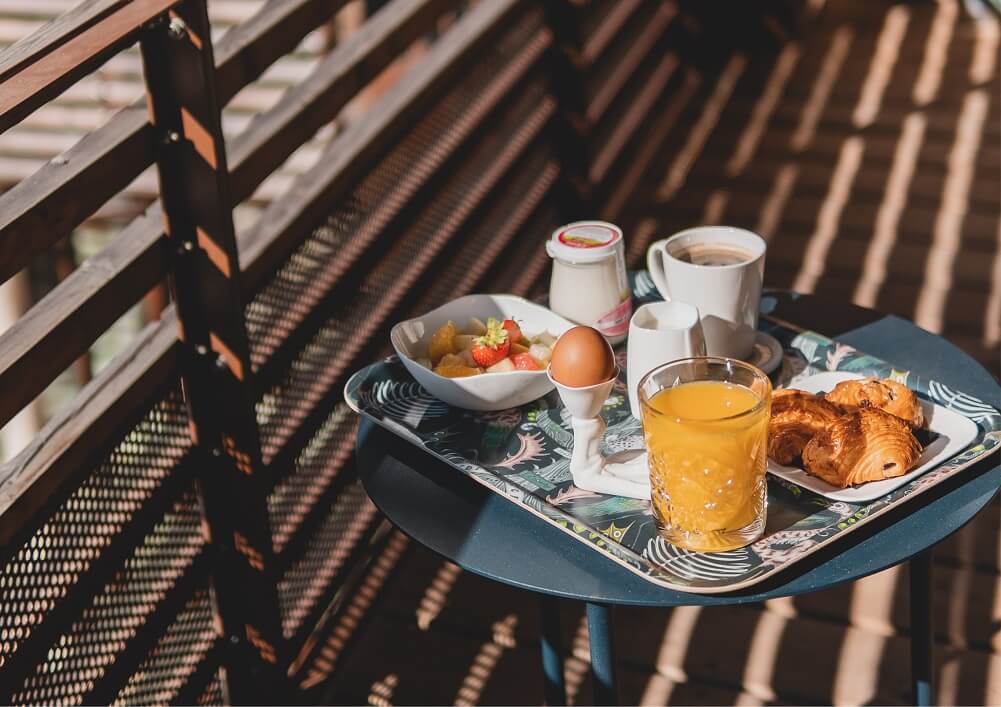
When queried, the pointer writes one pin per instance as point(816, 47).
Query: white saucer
point(767, 354)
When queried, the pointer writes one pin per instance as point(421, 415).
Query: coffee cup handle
point(655, 266)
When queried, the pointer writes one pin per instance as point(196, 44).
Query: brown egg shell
point(582, 357)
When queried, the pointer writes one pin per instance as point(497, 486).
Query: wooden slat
point(47, 205)
point(38, 81)
point(35, 478)
point(93, 296)
point(51, 202)
point(305, 108)
point(222, 12)
point(60, 327)
point(246, 51)
point(286, 221)
point(52, 34)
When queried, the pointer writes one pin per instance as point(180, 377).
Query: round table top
point(486, 534)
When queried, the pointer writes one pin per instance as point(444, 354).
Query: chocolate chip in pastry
point(866, 445)
point(796, 417)
point(887, 395)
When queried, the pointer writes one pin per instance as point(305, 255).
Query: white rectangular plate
point(954, 432)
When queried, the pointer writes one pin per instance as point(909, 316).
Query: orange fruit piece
point(442, 342)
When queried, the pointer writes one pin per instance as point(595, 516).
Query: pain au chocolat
point(866, 445)
point(796, 417)
point(887, 395)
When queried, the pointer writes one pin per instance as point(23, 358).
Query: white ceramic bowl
point(488, 391)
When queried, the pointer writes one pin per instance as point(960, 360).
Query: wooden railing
point(195, 507)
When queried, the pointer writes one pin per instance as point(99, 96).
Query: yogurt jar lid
point(584, 241)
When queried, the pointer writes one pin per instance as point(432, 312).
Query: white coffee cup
point(727, 296)
point(660, 332)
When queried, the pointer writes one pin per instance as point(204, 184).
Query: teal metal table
point(479, 531)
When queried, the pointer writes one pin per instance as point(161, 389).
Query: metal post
point(194, 189)
point(552, 651)
point(599, 629)
point(922, 635)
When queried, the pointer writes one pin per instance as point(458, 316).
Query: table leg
point(599, 627)
point(922, 636)
point(552, 651)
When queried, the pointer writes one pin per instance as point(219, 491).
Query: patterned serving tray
point(523, 455)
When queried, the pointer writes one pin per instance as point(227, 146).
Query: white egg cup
point(591, 470)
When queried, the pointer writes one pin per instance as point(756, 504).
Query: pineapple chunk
point(518, 348)
point(541, 353)
point(464, 342)
point(467, 358)
point(545, 338)
point(451, 360)
point(475, 327)
point(442, 342)
point(502, 366)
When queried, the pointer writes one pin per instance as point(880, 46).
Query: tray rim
point(510, 491)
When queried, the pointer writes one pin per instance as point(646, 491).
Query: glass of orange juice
point(705, 420)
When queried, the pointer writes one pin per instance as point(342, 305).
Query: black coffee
point(712, 254)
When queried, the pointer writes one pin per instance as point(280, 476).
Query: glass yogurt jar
point(589, 284)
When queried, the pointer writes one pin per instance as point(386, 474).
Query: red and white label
point(616, 322)
point(588, 236)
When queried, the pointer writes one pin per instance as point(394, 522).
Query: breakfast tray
point(523, 455)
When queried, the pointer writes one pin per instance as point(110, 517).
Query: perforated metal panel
point(316, 468)
point(61, 554)
point(527, 276)
point(80, 655)
point(361, 218)
point(325, 358)
point(445, 200)
point(212, 694)
point(305, 584)
point(511, 233)
point(178, 653)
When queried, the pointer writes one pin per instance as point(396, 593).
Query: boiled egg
point(582, 357)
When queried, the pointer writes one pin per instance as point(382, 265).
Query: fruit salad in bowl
point(481, 352)
point(497, 346)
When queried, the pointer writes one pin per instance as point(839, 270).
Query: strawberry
point(512, 328)
point(493, 346)
point(524, 362)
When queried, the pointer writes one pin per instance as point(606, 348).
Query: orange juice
point(707, 451)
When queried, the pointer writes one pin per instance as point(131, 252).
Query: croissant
point(889, 395)
point(796, 417)
point(866, 445)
